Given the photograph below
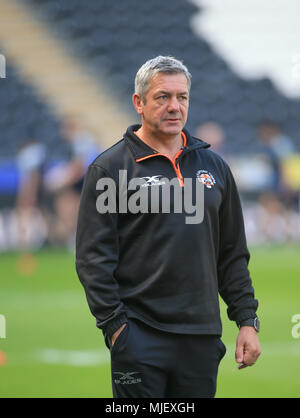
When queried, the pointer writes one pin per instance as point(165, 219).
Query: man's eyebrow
point(168, 93)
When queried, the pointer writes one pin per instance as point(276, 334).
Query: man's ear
point(138, 103)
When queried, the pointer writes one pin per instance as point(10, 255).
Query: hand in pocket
point(116, 334)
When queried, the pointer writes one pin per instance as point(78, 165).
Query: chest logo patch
point(206, 178)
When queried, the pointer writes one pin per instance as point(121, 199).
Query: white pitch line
point(101, 356)
point(72, 357)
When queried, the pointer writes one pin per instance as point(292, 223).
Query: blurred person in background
point(83, 149)
point(275, 221)
point(270, 220)
point(30, 201)
point(212, 133)
point(66, 180)
point(276, 146)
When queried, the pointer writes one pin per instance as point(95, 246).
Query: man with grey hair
point(160, 64)
point(151, 279)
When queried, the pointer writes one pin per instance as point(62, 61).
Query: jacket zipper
point(174, 163)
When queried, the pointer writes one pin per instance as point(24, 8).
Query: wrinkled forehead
point(169, 82)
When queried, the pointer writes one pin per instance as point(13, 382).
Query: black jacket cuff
point(242, 316)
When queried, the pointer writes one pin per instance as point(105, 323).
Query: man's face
point(167, 101)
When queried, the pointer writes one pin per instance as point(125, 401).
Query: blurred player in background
point(30, 201)
point(66, 180)
point(276, 147)
point(214, 134)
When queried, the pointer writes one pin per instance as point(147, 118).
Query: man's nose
point(173, 105)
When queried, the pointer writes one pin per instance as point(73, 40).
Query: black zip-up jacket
point(155, 266)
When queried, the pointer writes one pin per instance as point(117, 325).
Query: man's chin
point(173, 129)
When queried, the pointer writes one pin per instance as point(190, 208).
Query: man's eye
point(163, 97)
point(182, 98)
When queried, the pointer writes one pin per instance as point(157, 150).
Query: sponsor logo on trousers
point(127, 378)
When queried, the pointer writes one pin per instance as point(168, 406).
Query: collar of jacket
point(140, 149)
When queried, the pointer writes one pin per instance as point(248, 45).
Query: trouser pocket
point(222, 349)
point(121, 340)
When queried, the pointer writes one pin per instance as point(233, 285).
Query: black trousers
point(149, 363)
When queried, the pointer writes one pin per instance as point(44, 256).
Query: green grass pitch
point(53, 348)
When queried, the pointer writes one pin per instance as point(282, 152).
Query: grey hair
point(160, 64)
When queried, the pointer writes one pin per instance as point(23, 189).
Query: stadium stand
point(60, 78)
point(117, 37)
point(80, 58)
point(23, 114)
point(120, 36)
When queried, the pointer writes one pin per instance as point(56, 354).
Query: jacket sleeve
point(97, 257)
point(235, 285)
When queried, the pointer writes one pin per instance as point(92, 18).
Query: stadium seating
point(118, 37)
point(24, 115)
point(111, 40)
